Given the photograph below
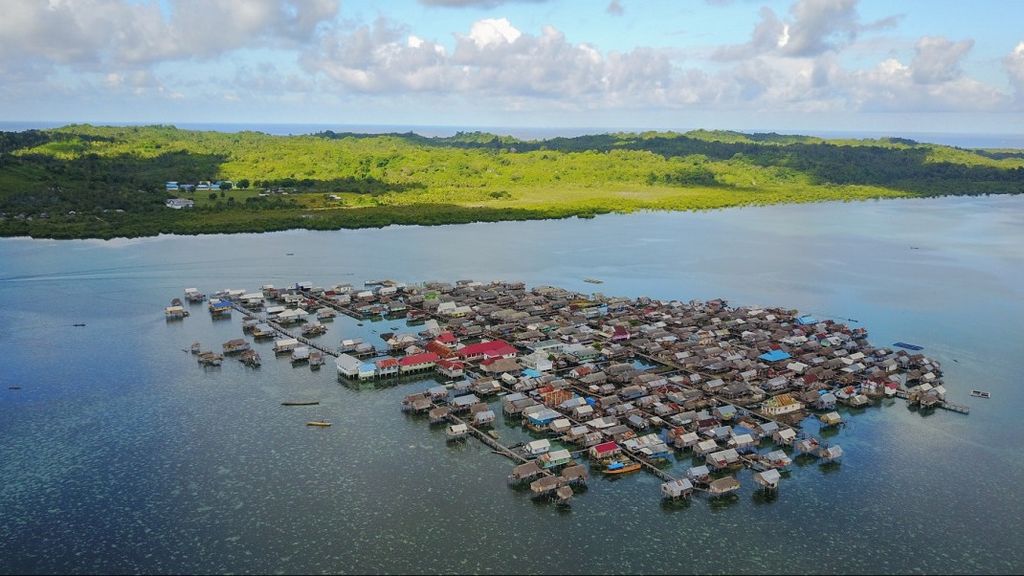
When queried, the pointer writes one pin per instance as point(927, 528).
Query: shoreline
point(580, 215)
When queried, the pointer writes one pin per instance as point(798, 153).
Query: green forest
point(84, 181)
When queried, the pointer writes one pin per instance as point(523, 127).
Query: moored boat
point(621, 467)
point(320, 423)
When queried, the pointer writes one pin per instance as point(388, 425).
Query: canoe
point(908, 346)
point(301, 403)
point(321, 423)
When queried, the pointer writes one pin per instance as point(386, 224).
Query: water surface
point(120, 454)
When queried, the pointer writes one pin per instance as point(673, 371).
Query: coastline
point(400, 218)
point(583, 214)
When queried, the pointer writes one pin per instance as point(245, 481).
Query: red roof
point(451, 364)
point(446, 338)
point(507, 350)
point(439, 349)
point(422, 358)
point(605, 447)
point(491, 348)
point(387, 363)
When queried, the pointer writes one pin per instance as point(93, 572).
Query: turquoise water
point(120, 454)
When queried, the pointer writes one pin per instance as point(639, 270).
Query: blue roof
point(774, 356)
point(806, 319)
point(531, 373)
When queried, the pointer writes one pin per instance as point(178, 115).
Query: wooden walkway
point(283, 331)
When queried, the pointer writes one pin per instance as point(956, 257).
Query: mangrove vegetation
point(84, 181)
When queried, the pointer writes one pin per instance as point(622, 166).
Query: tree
point(243, 183)
point(225, 186)
point(213, 195)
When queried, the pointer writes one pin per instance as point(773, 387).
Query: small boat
point(593, 281)
point(79, 325)
point(619, 467)
point(14, 387)
point(908, 346)
point(300, 403)
point(320, 423)
point(290, 254)
point(492, 434)
point(980, 394)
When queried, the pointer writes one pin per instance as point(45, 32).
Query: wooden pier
point(284, 331)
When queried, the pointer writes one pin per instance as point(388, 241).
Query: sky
point(814, 65)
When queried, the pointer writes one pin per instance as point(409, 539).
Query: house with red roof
point(447, 338)
point(451, 368)
point(604, 450)
point(441, 350)
point(490, 349)
point(417, 362)
point(387, 367)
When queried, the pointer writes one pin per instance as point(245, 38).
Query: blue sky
point(812, 65)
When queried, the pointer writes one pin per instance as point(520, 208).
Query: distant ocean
point(962, 140)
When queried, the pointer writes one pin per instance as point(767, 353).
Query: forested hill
point(87, 181)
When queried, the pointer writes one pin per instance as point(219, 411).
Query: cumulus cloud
point(494, 59)
point(475, 3)
point(1014, 66)
point(92, 33)
point(793, 61)
point(932, 81)
point(812, 27)
point(937, 59)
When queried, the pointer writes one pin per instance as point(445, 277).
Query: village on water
point(603, 385)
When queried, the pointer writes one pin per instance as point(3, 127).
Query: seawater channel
point(119, 454)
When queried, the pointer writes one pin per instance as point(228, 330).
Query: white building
point(179, 203)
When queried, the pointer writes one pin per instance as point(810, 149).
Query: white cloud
point(799, 60)
point(493, 32)
point(98, 33)
point(1014, 66)
point(475, 3)
point(937, 59)
point(496, 60)
point(812, 27)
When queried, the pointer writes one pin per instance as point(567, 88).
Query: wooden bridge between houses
point(284, 331)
